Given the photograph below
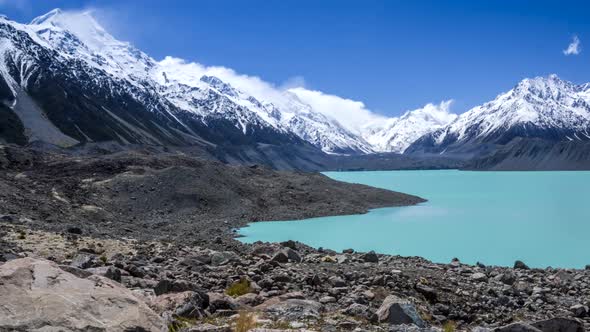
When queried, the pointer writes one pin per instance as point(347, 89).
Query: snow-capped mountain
point(200, 107)
point(398, 133)
point(542, 107)
point(64, 79)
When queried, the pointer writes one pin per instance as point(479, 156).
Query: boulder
point(548, 325)
point(44, 297)
point(507, 278)
point(328, 299)
point(517, 327)
point(579, 310)
point(559, 324)
point(208, 328)
point(429, 293)
point(520, 265)
point(219, 258)
point(292, 255)
point(110, 272)
point(187, 304)
point(396, 311)
point(280, 257)
point(82, 261)
point(74, 230)
point(292, 309)
point(337, 281)
point(219, 301)
point(479, 277)
point(172, 286)
point(370, 257)
point(358, 310)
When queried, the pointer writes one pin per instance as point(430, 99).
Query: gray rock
point(579, 310)
point(280, 257)
point(358, 310)
point(337, 281)
point(110, 272)
point(208, 328)
point(370, 257)
point(219, 301)
point(508, 278)
point(44, 297)
point(559, 325)
point(7, 218)
point(327, 299)
point(517, 327)
point(82, 261)
point(172, 286)
point(76, 271)
point(411, 328)
point(292, 255)
point(194, 306)
point(395, 311)
point(294, 309)
point(520, 265)
point(429, 293)
point(479, 277)
point(220, 258)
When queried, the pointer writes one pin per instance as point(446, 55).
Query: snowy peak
point(397, 134)
point(46, 17)
point(551, 87)
point(221, 86)
point(80, 24)
point(541, 107)
point(79, 36)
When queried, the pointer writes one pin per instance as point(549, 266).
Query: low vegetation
point(449, 326)
point(239, 288)
point(245, 321)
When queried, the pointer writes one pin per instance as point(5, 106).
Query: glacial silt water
point(541, 218)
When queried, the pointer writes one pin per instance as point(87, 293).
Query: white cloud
point(574, 47)
point(21, 5)
point(190, 73)
point(293, 82)
point(351, 114)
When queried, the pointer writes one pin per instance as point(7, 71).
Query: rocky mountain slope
point(522, 154)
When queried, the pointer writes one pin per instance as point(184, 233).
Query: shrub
point(180, 323)
point(239, 288)
point(449, 326)
point(245, 322)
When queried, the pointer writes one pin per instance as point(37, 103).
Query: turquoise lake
point(541, 218)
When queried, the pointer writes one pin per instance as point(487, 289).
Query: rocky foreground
point(136, 242)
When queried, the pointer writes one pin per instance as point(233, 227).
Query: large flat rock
point(36, 295)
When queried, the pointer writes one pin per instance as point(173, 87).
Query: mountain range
point(65, 80)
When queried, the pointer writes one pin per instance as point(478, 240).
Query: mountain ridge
point(65, 80)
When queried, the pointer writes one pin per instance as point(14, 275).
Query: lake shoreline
point(466, 215)
point(99, 217)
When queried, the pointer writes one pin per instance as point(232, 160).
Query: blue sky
point(392, 55)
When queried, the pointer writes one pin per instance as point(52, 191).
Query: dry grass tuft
point(245, 322)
